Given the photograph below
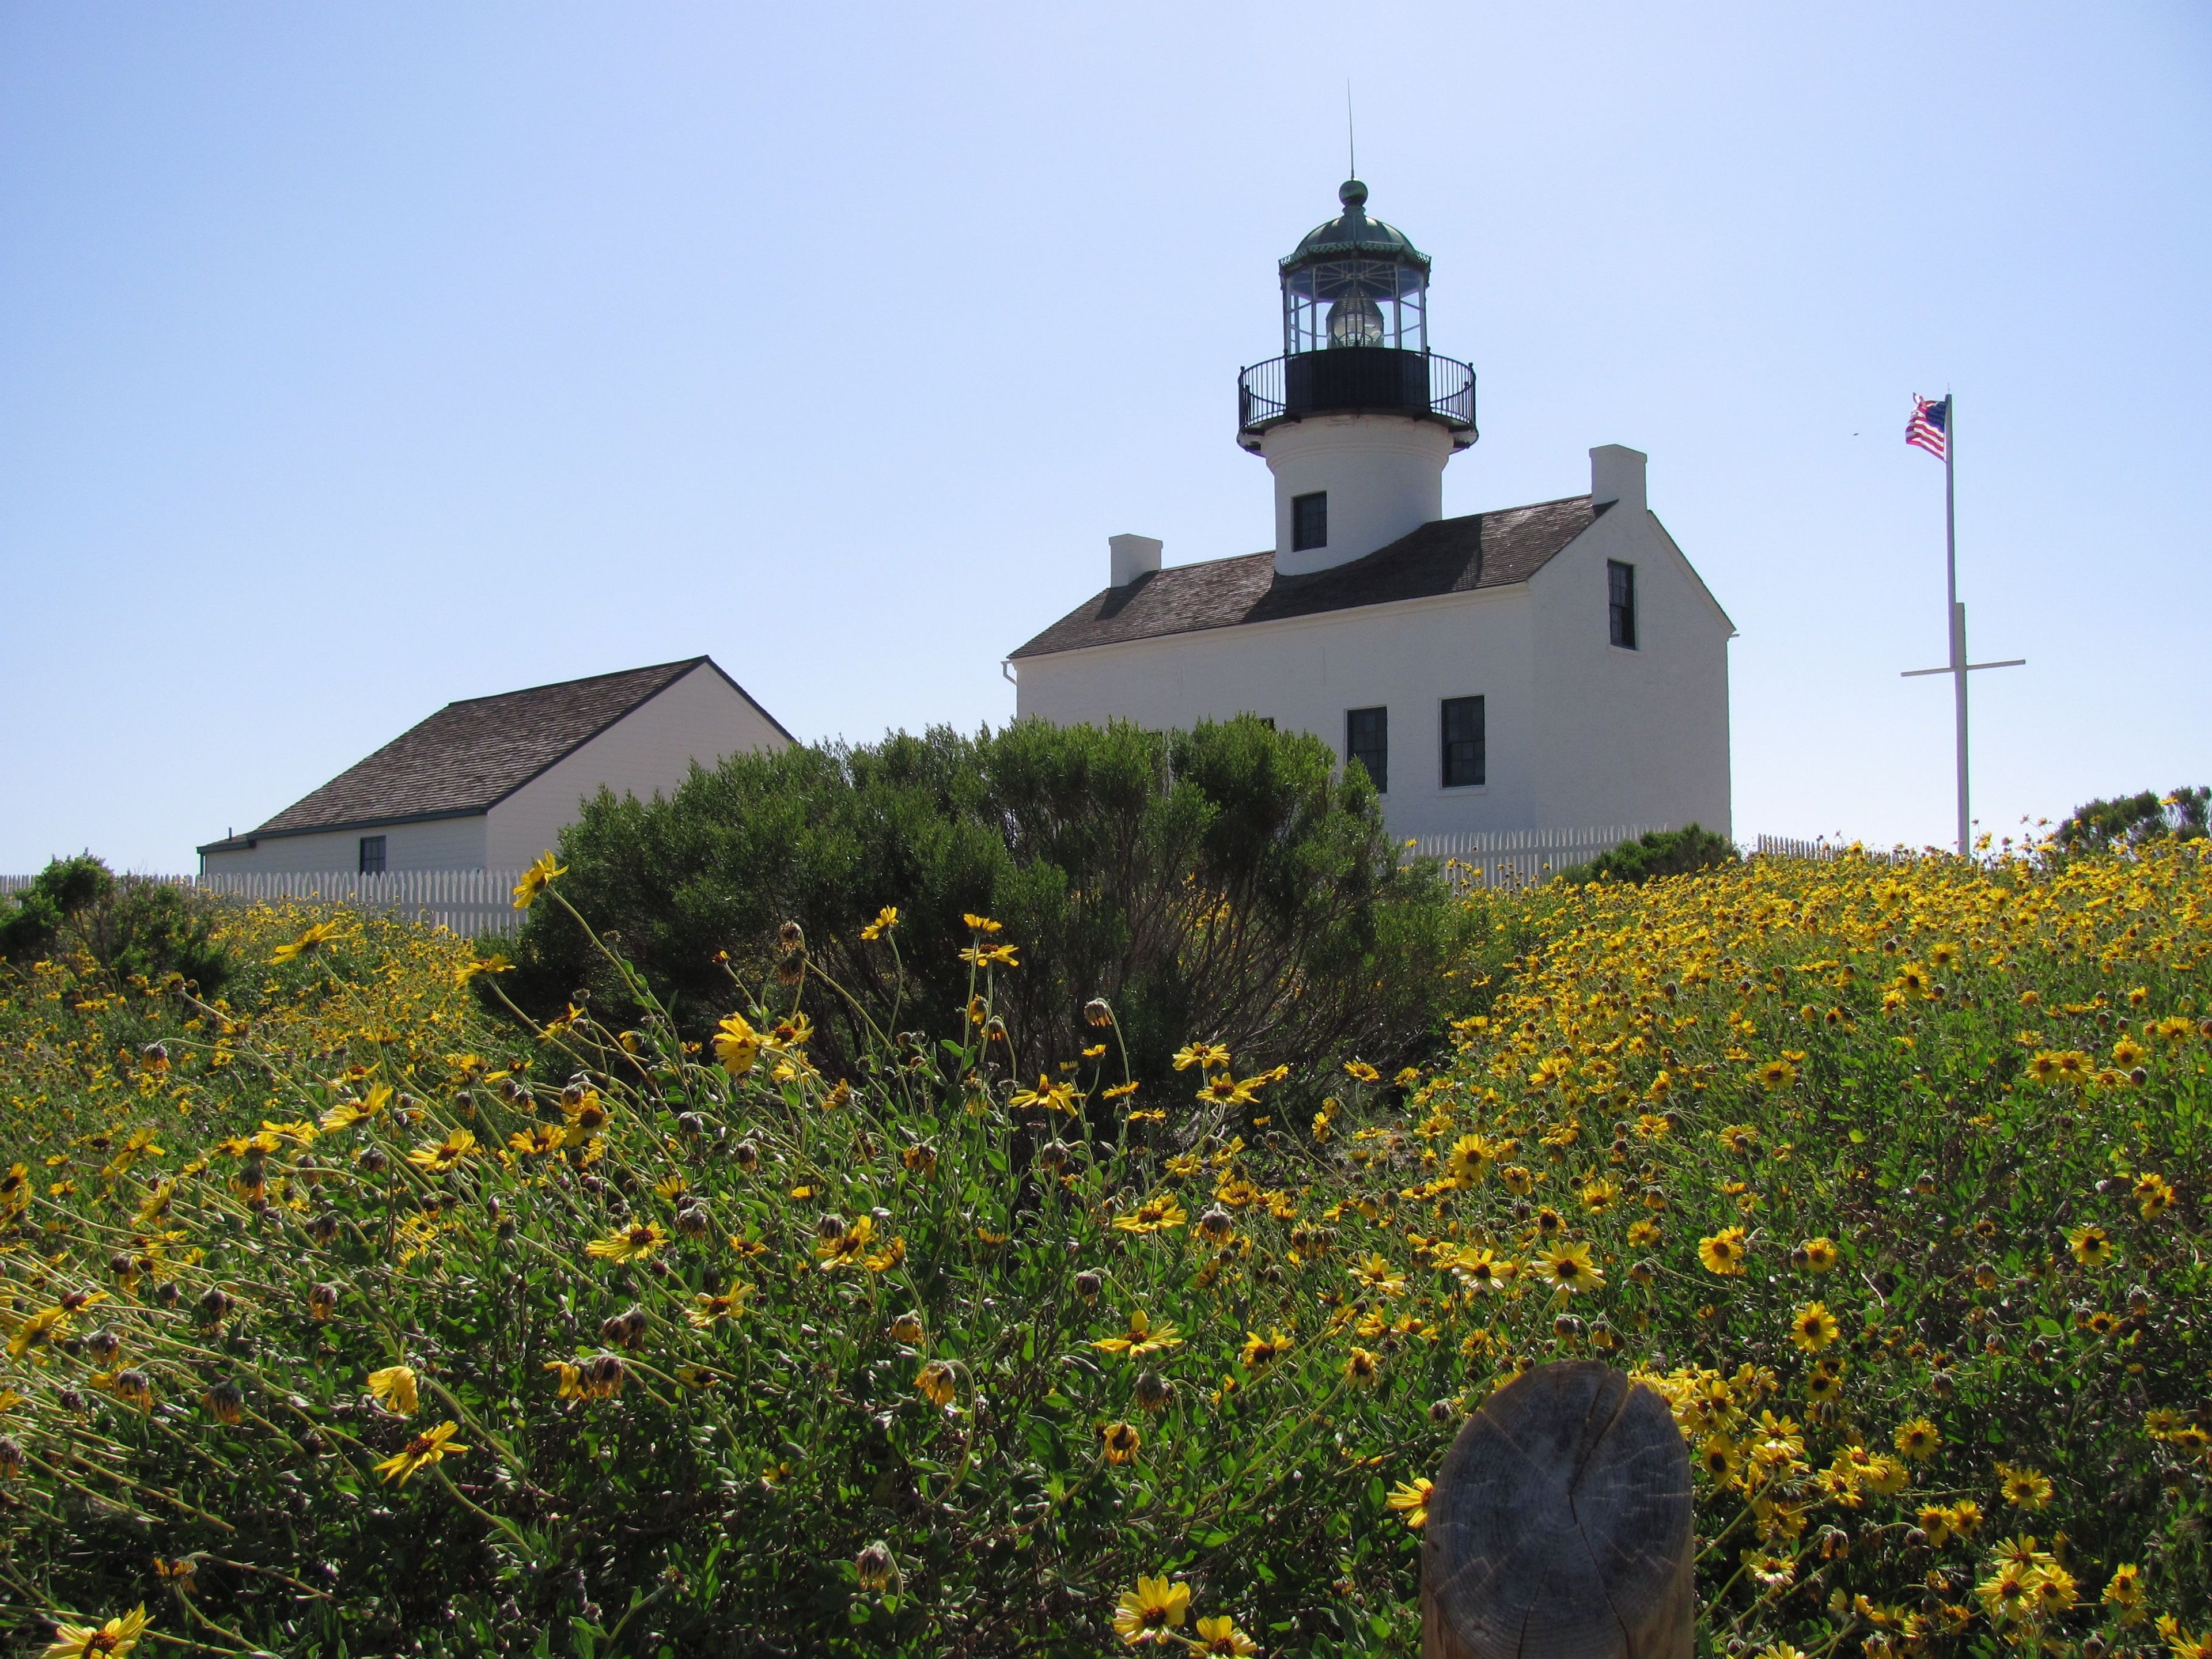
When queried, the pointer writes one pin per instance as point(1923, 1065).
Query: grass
point(1890, 1177)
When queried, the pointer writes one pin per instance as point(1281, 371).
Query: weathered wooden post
point(1561, 1527)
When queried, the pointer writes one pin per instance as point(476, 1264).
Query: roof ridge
point(585, 679)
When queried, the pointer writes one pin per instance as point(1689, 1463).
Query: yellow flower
point(394, 1389)
point(311, 940)
point(1224, 1090)
point(1260, 1351)
point(2123, 1589)
point(2091, 1246)
point(1205, 1055)
point(737, 1045)
point(1143, 1337)
point(979, 924)
point(2153, 1195)
point(1121, 1441)
point(1220, 1635)
point(534, 880)
point(112, 1640)
point(1469, 1157)
point(935, 1380)
point(886, 919)
point(436, 1156)
point(1918, 1439)
point(1147, 1613)
point(1158, 1212)
point(711, 1310)
point(629, 1244)
point(1411, 1499)
point(1812, 1327)
point(1374, 1274)
point(1724, 1252)
point(1821, 1255)
point(1362, 1071)
point(991, 956)
point(431, 1446)
point(2024, 1488)
point(1776, 1074)
point(1568, 1267)
point(1053, 1096)
point(847, 1247)
point(1363, 1370)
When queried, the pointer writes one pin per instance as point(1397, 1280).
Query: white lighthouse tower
point(1357, 417)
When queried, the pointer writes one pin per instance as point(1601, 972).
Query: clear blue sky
point(354, 359)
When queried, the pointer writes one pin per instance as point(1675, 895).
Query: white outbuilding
point(1532, 668)
point(488, 783)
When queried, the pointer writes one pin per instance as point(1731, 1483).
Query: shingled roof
point(470, 756)
point(1446, 555)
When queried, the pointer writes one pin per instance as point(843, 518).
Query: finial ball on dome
point(1352, 194)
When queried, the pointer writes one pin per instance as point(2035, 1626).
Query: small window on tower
point(1367, 740)
point(1465, 759)
point(372, 855)
point(1309, 521)
point(1621, 586)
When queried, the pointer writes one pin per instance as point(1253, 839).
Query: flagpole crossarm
point(2009, 662)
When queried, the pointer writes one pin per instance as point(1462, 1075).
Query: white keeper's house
point(488, 783)
point(1534, 667)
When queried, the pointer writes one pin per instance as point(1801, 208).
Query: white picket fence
point(469, 902)
point(1521, 858)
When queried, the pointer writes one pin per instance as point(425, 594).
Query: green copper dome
point(1353, 235)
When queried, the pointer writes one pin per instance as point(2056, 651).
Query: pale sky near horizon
point(357, 359)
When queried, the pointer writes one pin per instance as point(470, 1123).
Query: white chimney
point(1616, 474)
point(1132, 557)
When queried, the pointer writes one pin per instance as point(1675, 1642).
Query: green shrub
point(1661, 853)
point(131, 927)
point(1217, 884)
point(2131, 820)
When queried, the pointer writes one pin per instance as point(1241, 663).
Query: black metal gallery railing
point(1346, 378)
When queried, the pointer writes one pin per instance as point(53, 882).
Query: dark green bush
point(1220, 884)
point(132, 928)
point(1661, 853)
point(2131, 820)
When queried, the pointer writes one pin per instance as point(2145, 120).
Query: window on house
point(1309, 521)
point(372, 855)
point(1464, 760)
point(1620, 594)
point(1367, 740)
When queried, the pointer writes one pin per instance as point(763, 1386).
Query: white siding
point(1304, 673)
point(1638, 735)
point(648, 751)
point(435, 844)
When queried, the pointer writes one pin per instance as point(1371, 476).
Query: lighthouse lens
point(1355, 320)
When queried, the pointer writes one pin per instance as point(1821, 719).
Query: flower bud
point(746, 1154)
point(166, 1293)
point(11, 1458)
point(874, 1565)
point(1096, 1013)
point(1152, 1392)
point(1443, 1411)
point(101, 1347)
point(693, 1221)
point(906, 1330)
point(226, 1402)
point(791, 936)
point(1088, 1285)
point(1215, 1225)
point(215, 1305)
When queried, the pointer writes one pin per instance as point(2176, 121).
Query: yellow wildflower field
point(352, 1313)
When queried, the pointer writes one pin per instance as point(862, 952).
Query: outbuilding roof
point(471, 754)
point(1446, 555)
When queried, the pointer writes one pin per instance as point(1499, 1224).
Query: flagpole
point(1958, 616)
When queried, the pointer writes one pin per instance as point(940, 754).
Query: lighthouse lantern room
point(1357, 416)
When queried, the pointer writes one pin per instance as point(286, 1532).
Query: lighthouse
point(1554, 671)
point(1357, 417)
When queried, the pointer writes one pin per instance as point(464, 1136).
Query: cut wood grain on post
point(1561, 1527)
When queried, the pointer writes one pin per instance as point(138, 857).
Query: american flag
point(1931, 416)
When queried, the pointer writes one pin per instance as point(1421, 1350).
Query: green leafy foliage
point(1660, 853)
point(2131, 820)
point(131, 927)
point(1217, 883)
